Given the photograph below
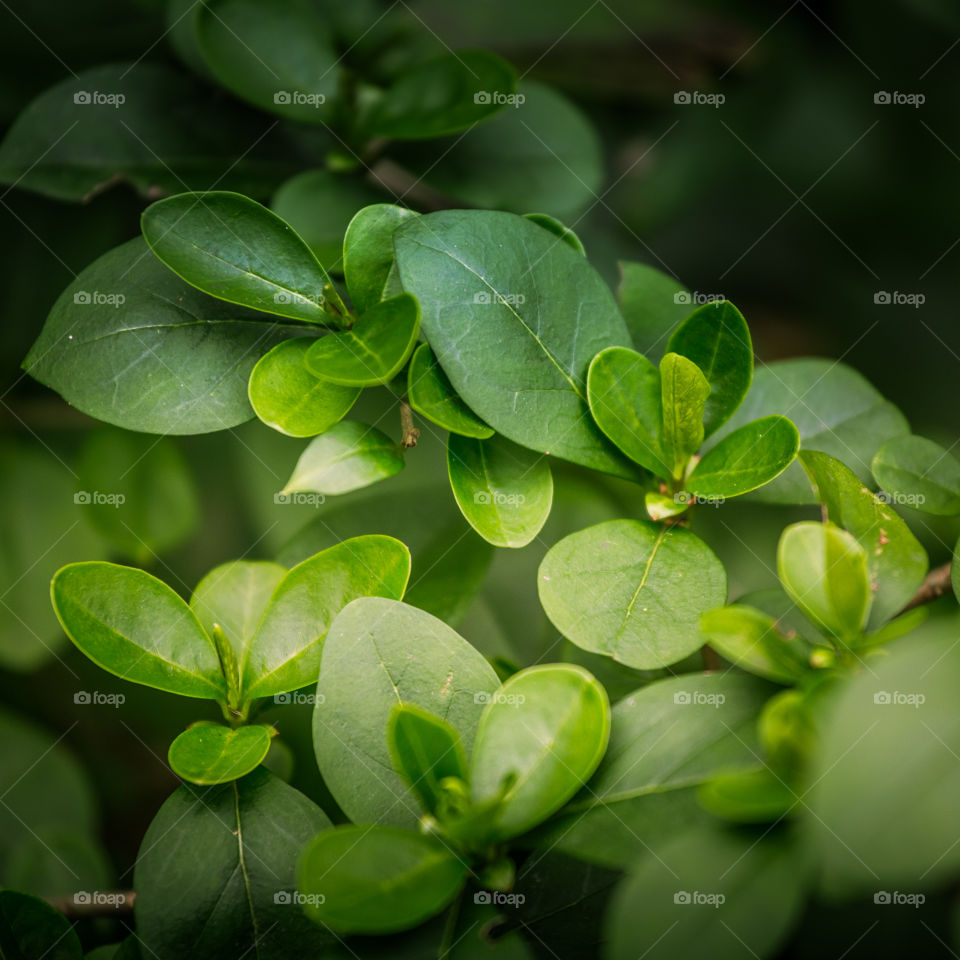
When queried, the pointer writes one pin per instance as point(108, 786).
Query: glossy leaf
point(653, 303)
point(374, 350)
point(230, 872)
point(746, 459)
point(368, 259)
point(135, 627)
point(920, 474)
point(377, 654)
point(127, 321)
point(623, 389)
point(284, 653)
point(281, 59)
point(716, 338)
point(824, 571)
point(285, 395)
point(432, 395)
point(208, 753)
point(31, 929)
point(347, 457)
point(505, 491)
point(543, 734)
point(683, 392)
point(377, 879)
point(896, 561)
point(442, 96)
point(632, 590)
point(517, 357)
point(237, 250)
point(559, 229)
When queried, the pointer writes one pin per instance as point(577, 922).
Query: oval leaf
point(683, 392)
point(432, 395)
point(919, 473)
point(31, 929)
point(209, 753)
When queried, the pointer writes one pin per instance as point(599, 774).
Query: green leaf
point(237, 250)
point(377, 879)
point(127, 321)
point(208, 753)
point(281, 59)
point(683, 393)
point(348, 456)
point(319, 205)
point(424, 749)
point(368, 259)
point(369, 665)
point(53, 861)
point(824, 571)
point(751, 456)
point(134, 626)
point(518, 358)
point(751, 639)
point(757, 796)
point(919, 473)
point(432, 395)
point(896, 561)
point(374, 350)
point(835, 409)
point(285, 395)
point(716, 338)
point(624, 392)
point(708, 892)
point(442, 96)
point(543, 735)
point(225, 856)
point(665, 739)
point(504, 491)
point(137, 492)
point(559, 229)
point(632, 590)
point(31, 929)
point(652, 304)
point(284, 653)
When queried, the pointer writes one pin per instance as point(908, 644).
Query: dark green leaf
point(209, 753)
point(368, 259)
point(919, 473)
point(32, 930)
point(559, 229)
point(56, 861)
point(652, 304)
point(432, 395)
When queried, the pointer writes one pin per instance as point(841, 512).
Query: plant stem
point(711, 659)
point(410, 433)
point(935, 585)
point(98, 904)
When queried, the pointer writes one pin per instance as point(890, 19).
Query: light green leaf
point(284, 653)
point(380, 653)
point(377, 879)
point(347, 457)
point(517, 357)
point(559, 229)
point(624, 392)
point(209, 753)
point(632, 590)
point(543, 735)
point(896, 561)
point(716, 338)
point(368, 259)
point(432, 395)
point(504, 491)
point(683, 392)
point(285, 395)
point(919, 473)
point(653, 303)
point(281, 59)
point(442, 96)
point(748, 458)
point(824, 571)
point(374, 350)
point(134, 626)
point(237, 250)
point(131, 343)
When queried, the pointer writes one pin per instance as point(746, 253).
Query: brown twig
point(410, 433)
point(99, 903)
point(935, 585)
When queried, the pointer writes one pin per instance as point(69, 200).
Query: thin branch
point(100, 903)
point(935, 585)
point(410, 433)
